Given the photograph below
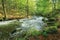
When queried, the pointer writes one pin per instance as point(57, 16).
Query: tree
point(3, 10)
point(43, 7)
point(54, 4)
point(27, 8)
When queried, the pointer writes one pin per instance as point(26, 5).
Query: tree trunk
point(3, 10)
point(27, 9)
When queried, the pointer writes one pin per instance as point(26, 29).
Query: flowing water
point(26, 24)
point(35, 23)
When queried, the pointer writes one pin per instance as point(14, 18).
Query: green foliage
point(51, 30)
point(35, 7)
point(43, 6)
point(44, 33)
point(33, 32)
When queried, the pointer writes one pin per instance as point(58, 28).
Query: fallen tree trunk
point(8, 26)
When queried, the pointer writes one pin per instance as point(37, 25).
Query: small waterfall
point(35, 23)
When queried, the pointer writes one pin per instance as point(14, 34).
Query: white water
point(35, 22)
point(26, 24)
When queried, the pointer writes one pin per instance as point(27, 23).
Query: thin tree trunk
point(3, 10)
point(27, 9)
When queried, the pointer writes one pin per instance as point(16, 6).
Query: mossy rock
point(9, 27)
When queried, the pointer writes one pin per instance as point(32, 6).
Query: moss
point(9, 27)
